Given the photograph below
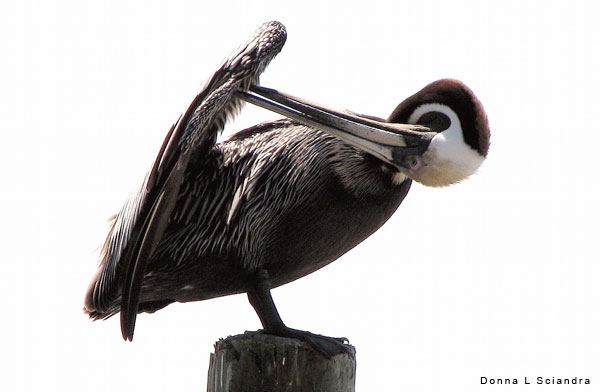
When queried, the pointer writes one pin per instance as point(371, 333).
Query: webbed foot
point(327, 346)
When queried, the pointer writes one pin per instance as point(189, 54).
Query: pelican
point(277, 201)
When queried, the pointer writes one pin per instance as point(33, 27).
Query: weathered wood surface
point(255, 362)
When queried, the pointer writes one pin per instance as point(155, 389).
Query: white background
point(496, 277)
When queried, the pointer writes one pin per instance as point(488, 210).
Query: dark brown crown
point(459, 98)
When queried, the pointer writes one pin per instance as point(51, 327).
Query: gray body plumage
point(280, 196)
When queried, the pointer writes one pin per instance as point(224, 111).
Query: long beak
point(400, 145)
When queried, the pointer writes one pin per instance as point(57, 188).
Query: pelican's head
point(451, 110)
point(437, 137)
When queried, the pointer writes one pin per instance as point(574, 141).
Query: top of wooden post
point(255, 361)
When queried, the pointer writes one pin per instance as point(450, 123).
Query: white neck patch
point(449, 158)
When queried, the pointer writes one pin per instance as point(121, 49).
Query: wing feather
point(142, 221)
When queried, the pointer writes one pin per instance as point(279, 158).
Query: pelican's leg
point(260, 298)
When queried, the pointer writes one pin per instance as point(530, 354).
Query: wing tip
point(127, 324)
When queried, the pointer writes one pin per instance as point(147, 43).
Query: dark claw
point(327, 346)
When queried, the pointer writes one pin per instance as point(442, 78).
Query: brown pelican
point(277, 201)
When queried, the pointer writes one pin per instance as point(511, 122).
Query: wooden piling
point(255, 362)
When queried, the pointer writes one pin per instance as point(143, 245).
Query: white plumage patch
point(237, 197)
point(398, 178)
point(448, 158)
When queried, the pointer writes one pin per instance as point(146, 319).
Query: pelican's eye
point(436, 121)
